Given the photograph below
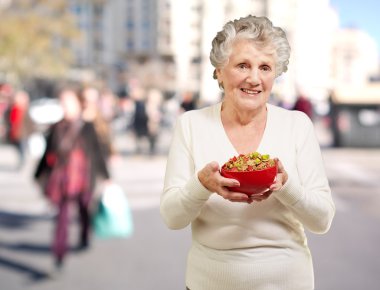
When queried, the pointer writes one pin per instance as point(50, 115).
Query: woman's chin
point(251, 104)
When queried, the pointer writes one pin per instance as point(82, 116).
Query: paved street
point(154, 258)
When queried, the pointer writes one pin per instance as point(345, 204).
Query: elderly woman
point(240, 242)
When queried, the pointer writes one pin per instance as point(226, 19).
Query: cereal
point(249, 162)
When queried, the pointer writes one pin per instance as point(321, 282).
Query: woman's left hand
point(281, 178)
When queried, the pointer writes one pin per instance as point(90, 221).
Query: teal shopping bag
point(113, 217)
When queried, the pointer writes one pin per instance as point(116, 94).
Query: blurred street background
point(146, 62)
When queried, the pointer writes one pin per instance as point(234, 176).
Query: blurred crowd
point(76, 129)
point(141, 112)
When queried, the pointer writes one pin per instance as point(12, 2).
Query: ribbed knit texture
point(237, 246)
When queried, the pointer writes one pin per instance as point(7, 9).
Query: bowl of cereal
point(254, 171)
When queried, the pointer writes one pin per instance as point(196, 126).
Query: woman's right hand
point(211, 178)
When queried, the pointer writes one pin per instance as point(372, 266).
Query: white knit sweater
point(238, 246)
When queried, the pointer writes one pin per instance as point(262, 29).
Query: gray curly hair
point(258, 29)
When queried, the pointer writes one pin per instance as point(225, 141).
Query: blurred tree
point(36, 38)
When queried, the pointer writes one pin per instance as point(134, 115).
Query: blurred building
point(124, 38)
point(166, 44)
point(355, 56)
point(355, 99)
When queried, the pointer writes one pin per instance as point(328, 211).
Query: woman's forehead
point(248, 50)
point(249, 45)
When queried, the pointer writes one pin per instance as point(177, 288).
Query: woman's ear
point(218, 77)
point(217, 72)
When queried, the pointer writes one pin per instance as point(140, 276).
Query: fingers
point(260, 196)
point(229, 182)
point(242, 197)
point(226, 192)
point(281, 171)
point(281, 177)
point(213, 166)
point(277, 184)
point(211, 178)
point(208, 176)
point(234, 196)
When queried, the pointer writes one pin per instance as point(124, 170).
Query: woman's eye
point(242, 65)
point(266, 68)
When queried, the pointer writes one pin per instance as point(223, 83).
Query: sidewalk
point(143, 184)
point(136, 263)
point(20, 194)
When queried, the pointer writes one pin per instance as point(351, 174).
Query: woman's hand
point(281, 178)
point(211, 178)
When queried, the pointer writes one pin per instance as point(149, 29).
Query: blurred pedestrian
point(6, 95)
point(92, 113)
point(20, 125)
point(188, 102)
point(242, 242)
point(303, 104)
point(140, 116)
point(332, 121)
point(108, 105)
point(154, 114)
point(71, 163)
point(171, 109)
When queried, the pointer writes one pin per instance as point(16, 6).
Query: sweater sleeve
point(183, 195)
point(310, 199)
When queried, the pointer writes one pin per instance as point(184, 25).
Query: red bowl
point(252, 182)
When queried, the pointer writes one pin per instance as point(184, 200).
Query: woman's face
point(70, 105)
point(248, 76)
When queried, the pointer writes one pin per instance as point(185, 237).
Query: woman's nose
point(253, 77)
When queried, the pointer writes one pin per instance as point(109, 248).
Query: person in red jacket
point(303, 104)
point(20, 124)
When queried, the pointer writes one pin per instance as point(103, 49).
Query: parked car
point(44, 112)
point(355, 115)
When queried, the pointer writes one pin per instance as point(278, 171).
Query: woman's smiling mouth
point(250, 92)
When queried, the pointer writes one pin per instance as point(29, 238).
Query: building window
point(130, 25)
point(145, 44)
point(130, 45)
point(145, 25)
